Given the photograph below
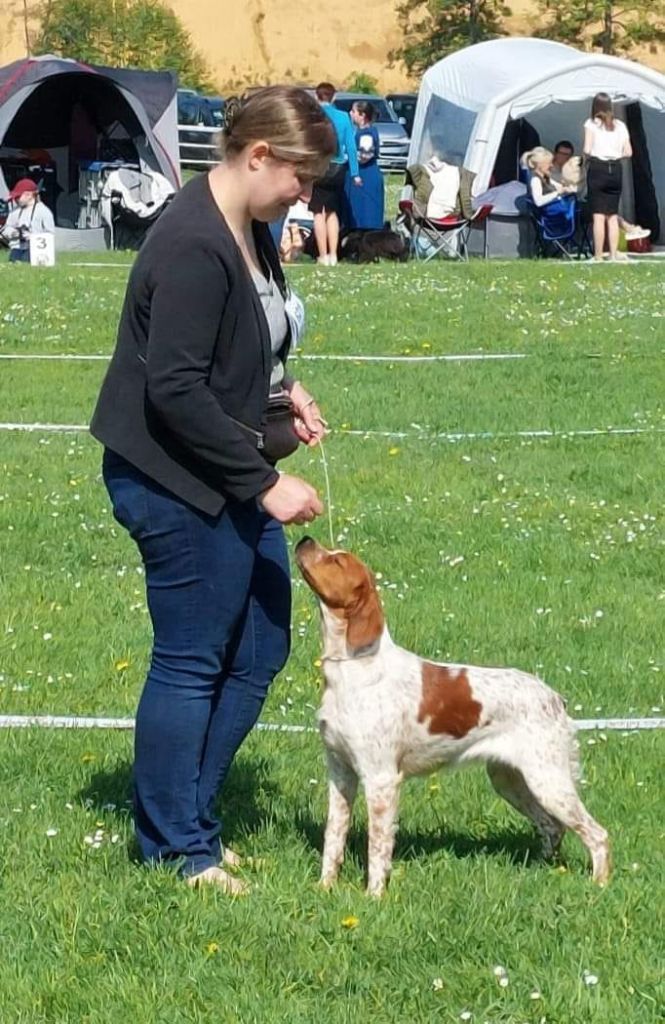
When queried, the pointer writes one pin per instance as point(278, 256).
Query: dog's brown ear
point(365, 620)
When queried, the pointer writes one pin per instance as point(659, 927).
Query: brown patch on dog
point(447, 701)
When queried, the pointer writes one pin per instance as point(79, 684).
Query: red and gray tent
point(70, 112)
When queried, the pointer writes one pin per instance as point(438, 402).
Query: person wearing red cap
point(29, 215)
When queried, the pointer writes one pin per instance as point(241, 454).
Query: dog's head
point(572, 172)
point(352, 614)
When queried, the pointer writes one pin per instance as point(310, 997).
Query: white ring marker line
point(461, 358)
point(54, 428)
point(55, 358)
point(454, 358)
point(487, 435)
point(76, 722)
point(91, 263)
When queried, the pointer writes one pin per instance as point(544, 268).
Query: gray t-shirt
point(273, 307)
point(36, 218)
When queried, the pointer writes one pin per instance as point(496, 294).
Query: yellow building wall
point(258, 41)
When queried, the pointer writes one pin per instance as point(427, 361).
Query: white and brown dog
point(387, 713)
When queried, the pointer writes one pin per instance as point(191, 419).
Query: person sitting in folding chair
point(553, 205)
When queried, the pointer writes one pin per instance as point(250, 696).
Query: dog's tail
point(574, 751)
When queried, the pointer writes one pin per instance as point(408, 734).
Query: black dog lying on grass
point(370, 246)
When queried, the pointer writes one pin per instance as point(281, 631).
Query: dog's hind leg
point(552, 785)
point(342, 788)
point(510, 784)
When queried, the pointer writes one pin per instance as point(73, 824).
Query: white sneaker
point(220, 878)
point(332, 260)
point(637, 232)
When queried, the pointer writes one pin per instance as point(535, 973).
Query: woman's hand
point(308, 423)
point(291, 500)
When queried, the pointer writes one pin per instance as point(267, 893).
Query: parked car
point(199, 121)
point(404, 105)
point(393, 139)
point(195, 109)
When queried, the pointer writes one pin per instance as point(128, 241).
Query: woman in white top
point(606, 143)
point(542, 186)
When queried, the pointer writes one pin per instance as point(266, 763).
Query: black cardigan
point(191, 367)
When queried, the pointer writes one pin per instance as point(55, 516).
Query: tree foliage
point(433, 28)
point(122, 33)
point(613, 26)
point(360, 81)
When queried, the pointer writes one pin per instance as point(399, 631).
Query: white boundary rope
point(313, 357)
point(54, 428)
point(489, 435)
point(455, 358)
point(56, 357)
point(77, 722)
point(399, 435)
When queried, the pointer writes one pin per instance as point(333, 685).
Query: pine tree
point(434, 28)
point(613, 26)
point(122, 33)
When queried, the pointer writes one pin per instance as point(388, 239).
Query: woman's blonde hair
point(537, 156)
point(289, 120)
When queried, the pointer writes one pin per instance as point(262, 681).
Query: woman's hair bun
point(232, 109)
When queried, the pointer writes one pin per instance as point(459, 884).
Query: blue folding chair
point(556, 227)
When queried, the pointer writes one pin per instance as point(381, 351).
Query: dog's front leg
point(382, 800)
point(341, 794)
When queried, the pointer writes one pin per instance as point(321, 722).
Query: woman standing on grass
point(366, 204)
point(606, 144)
point(194, 411)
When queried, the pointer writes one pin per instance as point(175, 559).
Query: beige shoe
point(222, 879)
point(620, 257)
point(231, 859)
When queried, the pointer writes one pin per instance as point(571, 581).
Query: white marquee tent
point(473, 106)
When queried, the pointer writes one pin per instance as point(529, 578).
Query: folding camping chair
point(440, 236)
point(555, 226)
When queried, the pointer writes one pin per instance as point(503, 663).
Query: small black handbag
point(280, 439)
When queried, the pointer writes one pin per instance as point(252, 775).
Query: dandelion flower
point(350, 922)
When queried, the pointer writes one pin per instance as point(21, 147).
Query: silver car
point(393, 140)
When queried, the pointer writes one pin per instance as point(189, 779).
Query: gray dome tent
point(58, 114)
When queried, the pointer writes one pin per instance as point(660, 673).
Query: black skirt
point(328, 191)
point(604, 180)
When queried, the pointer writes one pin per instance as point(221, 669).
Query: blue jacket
point(346, 138)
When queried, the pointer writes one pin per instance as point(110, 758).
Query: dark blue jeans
point(219, 596)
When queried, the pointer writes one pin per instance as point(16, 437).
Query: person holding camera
point(29, 216)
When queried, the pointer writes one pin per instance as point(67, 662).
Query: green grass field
point(497, 548)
